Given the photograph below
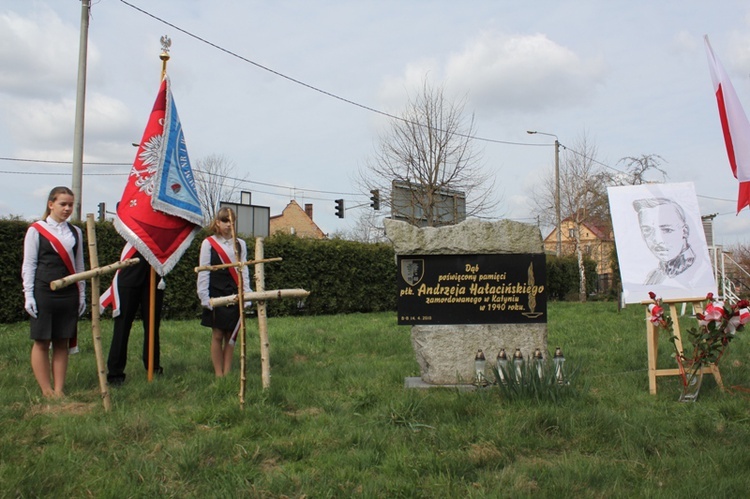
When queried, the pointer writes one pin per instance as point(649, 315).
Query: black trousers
point(133, 299)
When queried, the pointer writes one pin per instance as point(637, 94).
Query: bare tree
point(368, 228)
point(429, 152)
point(583, 197)
point(215, 182)
point(736, 269)
point(638, 167)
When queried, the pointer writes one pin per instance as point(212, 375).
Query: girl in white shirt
point(53, 249)
point(223, 321)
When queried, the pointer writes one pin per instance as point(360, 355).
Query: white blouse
point(31, 254)
point(205, 259)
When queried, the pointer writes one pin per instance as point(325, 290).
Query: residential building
point(596, 243)
point(295, 220)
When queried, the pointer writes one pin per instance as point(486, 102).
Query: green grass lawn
point(338, 422)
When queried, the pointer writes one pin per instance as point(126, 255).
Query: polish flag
point(734, 125)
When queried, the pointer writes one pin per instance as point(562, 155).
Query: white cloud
point(686, 42)
point(39, 45)
point(738, 57)
point(107, 117)
point(522, 72)
point(395, 91)
point(499, 72)
point(40, 123)
point(43, 129)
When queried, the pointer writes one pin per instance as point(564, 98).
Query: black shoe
point(116, 379)
point(159, 371)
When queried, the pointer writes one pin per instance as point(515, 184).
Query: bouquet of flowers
point(717, 326)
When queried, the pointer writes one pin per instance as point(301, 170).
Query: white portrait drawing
point(660, 241)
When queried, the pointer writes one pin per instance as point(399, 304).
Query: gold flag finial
point(166, 43)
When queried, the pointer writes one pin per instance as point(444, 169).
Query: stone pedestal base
point(446, 353)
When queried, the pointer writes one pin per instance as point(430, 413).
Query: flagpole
point(164, 56)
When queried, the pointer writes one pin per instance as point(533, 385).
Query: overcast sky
point(631, 75)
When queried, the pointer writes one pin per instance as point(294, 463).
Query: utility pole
point(77, 186)
point(558, 219)
point(558, 249)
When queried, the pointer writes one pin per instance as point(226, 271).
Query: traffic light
point(375, 199)
point(340, 208)
point(102, 212)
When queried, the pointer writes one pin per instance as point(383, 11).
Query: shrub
point(342, 276)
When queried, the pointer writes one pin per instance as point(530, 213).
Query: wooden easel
point(652, 341)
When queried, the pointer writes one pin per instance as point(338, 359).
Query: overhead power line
point(236, 179)
point(344, 99)
point(306, 85)
point(309, 86)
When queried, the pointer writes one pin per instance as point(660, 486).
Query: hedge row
point(563, 281)
point(342, 276)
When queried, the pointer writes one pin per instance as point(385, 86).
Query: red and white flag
point(734, 125)
point(159, 212)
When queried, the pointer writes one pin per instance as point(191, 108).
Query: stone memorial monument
point(471, 286)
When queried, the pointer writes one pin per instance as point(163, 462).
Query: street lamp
point(558, 248)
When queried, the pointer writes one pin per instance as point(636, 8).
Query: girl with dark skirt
point(224, 322)
point(53, 249)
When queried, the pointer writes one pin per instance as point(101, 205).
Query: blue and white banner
point(175, 192)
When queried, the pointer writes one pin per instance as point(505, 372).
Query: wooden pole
point(210, 268)
point(95, 318)
point(151, 323)
point(272, 294)
point(241, 305)
point(164, 56)
point(260, 286)
point(88, 274)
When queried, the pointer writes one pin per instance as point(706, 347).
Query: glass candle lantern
point(559, 360)
point(502, 365)
point(538, 360)
point(480, 363)
point(518, 364)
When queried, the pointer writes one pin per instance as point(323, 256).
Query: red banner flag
point(734, 125)
point(161, 177)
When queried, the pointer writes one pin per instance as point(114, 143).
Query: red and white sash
point(111, 297)
point(67, 256)
point(226, 259)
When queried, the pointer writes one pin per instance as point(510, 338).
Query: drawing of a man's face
point(664, 229)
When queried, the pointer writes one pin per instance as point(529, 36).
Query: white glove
point(30, 307)
point(248, 304)
point(81, 307)
point(206, 304)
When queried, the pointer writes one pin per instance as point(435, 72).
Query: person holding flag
point(53, 249)
point(219, 249)
point(130, 293)
point(158, 216)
